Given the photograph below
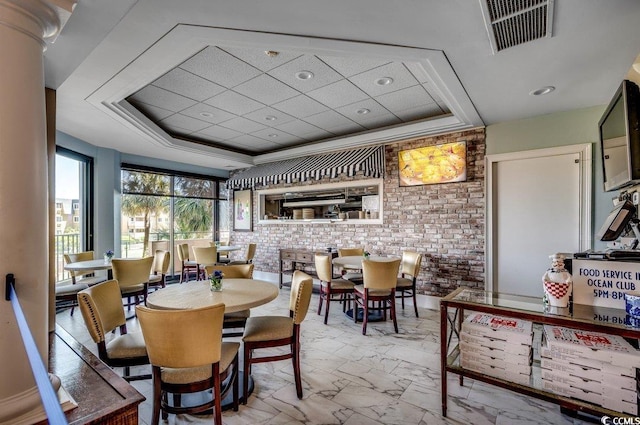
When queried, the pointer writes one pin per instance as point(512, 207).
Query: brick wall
point(445, 222)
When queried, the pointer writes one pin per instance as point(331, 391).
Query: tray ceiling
point(255, 101)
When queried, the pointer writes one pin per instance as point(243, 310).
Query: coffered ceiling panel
point(265, 101)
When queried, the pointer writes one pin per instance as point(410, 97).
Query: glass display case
point(581, 317)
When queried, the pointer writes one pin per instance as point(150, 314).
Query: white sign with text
point(604, 283)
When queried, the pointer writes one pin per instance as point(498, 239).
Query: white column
point(24, 24)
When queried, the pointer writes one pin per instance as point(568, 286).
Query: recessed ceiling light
point(304, 75)
point(273, 135)
point(384, 81)
point(206, 114)
point(363, 111)
point(542, 90)
point(270, 118)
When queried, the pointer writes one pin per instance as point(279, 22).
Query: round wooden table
point(89, 265)
point(236, 294)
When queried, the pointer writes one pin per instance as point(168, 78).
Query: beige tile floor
point(348, 378)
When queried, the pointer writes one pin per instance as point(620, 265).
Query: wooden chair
point(186, 265)
point(67, 295)
point(380, 278)
point(187, 355)
point(406, 283)
point(132, 275)
point(204, 256)
point(159, 269)
point(248, 255)
point(278, 331)
point(329, 287)
point(347, 272)
point(101, 308)
point(238, 319)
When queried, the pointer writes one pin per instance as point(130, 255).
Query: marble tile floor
point(351, 379)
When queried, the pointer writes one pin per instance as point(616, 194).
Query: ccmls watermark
point(608, 420)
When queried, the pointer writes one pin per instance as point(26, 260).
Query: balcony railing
point(130, 247)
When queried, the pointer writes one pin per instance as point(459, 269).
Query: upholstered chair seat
point(70, 290)
point(127, 346)
point(268, 328)
point(339, 284)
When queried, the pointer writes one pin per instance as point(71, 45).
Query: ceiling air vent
point(513, 22)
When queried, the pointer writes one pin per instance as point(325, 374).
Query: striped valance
point(369, 160)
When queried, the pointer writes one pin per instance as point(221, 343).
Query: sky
point(67, 178)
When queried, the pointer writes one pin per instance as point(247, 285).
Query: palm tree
point(144, 195)
point(193, 215)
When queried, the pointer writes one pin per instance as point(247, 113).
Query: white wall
point(561, 129)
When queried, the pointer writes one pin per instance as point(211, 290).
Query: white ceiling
point(118, 66)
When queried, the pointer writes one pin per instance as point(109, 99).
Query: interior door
point(538, 206)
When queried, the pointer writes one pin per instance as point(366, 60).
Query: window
point(74, 219)
point(161, 209)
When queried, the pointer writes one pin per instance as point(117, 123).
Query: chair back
point(182, 338)
point(131, 271)
point(205, 254)
point(349, 252)
point(101, 307)
point(301, 289)
point(323, 267)
point(380, 274)
point(161, 261)
point(183, 252)
point(74, 258)
point(411, 262)
point(237, 271)
point(251, 252)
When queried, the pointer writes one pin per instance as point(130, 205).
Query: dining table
point(355, 261)
point(225, 249)
point(90, 265)
point(236, 294)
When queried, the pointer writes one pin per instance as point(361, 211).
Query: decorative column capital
point(41, 20)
